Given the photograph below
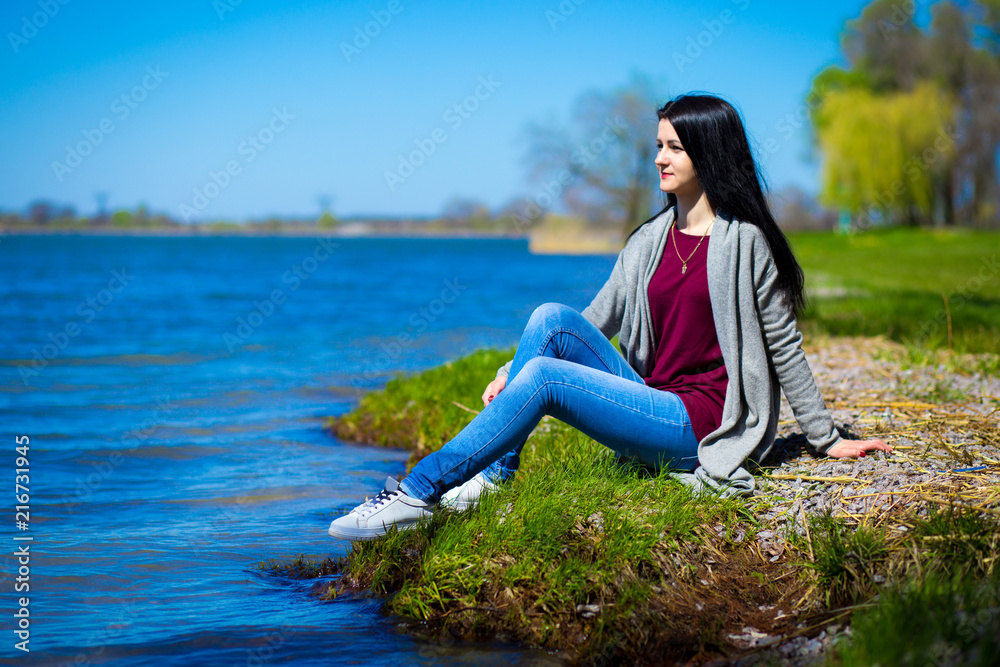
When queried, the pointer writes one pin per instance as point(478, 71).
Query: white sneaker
point(373, 518)
point(466, 496)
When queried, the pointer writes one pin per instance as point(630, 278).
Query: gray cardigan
point(761, 345)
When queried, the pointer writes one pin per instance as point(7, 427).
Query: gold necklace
point(673, 237)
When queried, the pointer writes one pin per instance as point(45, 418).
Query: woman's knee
point(552, 315)
point(538, 371)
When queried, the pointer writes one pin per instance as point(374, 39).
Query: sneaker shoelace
point(373, 504)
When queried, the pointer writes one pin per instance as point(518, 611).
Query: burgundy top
point(688, 358)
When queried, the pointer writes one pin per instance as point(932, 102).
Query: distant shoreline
point(540, 241)
point(293, 232)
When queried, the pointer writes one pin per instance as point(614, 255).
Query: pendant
point(684, 268)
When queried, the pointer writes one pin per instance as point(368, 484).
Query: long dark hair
point(713, 136)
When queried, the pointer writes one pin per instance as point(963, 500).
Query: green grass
point(846, 559)
point(933, 621)
point(851, 561)
point(913, 355)
point(300, 568)
point(890, 282)
point(931, 592)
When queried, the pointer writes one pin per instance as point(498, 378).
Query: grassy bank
point(905, 284)
point(579, 553)
point(609, 564)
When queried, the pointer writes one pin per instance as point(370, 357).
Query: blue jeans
point(564, 367)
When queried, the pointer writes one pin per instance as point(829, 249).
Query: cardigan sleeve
point(784, 343)
point(608, 308)
point(504, 370)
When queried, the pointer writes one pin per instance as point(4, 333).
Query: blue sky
point(201, 78)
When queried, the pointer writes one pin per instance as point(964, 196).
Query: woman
point(703, 297)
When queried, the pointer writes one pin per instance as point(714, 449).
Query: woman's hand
point(494, 388)
point(848, 448)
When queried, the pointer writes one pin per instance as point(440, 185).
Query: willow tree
point(884, 153)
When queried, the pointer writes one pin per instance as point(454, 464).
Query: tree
point(40, 212)
point(892, 63)
point(988, 20)
point(885, 44)
point(64, 215)
point(122, 218)
point(327, 221)
point(875, 150)
point(600, 164)
point(461, 212)
point(518, 215)
point(968, 67)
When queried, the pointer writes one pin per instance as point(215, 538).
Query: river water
point(174, 392)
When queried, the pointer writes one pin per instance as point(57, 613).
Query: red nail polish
point(862, 454)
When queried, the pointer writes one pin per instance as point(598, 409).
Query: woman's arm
point(784, 342)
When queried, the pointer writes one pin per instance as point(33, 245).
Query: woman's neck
point(694, 214)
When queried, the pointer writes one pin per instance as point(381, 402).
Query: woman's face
point(677, 173)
